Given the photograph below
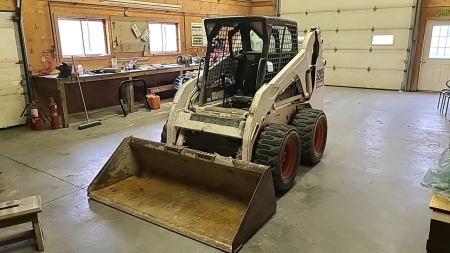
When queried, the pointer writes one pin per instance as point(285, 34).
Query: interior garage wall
point(348, 28)
point(7, 5)
point(37, 21)
point(264, 8)
point(428, 11)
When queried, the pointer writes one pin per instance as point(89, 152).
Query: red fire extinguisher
point(54, 114)
point(35, 118)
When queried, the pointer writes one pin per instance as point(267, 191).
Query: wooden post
point(62, 98)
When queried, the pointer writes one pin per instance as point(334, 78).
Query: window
point(163, 38)
point(82, 38)
point(383, 40)
point(440, 42)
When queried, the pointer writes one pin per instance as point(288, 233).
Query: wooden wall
point(7, 5)
point(40, 39)
point(264, 7)
point(427, 12)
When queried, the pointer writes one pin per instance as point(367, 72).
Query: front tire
point(278, 146)
point(164, 134)
point(313, 128)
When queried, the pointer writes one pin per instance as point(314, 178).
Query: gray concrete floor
point(365, 196)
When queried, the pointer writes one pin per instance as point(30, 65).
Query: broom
point(88, 124)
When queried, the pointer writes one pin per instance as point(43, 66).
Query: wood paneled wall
point(7, 5)
point(427, 12)
point(264, 8)
point(38, 16)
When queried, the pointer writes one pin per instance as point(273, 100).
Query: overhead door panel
point(350, 20)
point(374, 79)
point(348, 29)
point(293, 6)
point(363, 40)
point(12, 100)
point(380, 60)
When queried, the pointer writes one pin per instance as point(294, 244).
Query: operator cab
point(243, 54)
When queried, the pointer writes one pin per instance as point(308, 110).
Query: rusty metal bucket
point(216, 200)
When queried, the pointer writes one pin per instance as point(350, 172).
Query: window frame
point(177, 27)
point(445, 47)
point(106, 27)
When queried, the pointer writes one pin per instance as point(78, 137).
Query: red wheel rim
point(319, 137)
point(289, 158)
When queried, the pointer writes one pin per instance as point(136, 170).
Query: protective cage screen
point(283, 48)
point(220, 62)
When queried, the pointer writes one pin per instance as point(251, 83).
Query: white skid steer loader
point(234, 138)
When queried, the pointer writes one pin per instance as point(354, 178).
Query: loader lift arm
point(305, 67)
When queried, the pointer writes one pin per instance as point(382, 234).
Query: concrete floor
point(365, 196)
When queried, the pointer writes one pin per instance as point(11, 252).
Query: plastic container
point(154, 101)
point(438, 179)
point(80, 69)
point(114, 62)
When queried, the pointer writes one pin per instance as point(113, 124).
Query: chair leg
point(442, 103)
point(446, 109)
point(439, 101)
point(39, 235)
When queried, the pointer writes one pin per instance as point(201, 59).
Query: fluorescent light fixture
point(383, 40)
point(140, 4)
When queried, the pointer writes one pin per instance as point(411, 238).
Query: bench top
point(20, 207)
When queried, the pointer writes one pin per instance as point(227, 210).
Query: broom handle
point(81, 91)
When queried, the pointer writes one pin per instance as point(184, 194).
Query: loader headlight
point(324, 62)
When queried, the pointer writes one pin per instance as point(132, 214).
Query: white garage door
point(12, 100)
point(365, 42)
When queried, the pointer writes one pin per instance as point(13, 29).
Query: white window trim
point(445, 47)
point(166, 52)
point(105, 31)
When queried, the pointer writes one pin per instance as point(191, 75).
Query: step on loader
point(234, 138)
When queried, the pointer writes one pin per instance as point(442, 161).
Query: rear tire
point(278, 146)
point(312, 126)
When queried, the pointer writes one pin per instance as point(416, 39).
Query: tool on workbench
point(89, 123)
point(65, 70)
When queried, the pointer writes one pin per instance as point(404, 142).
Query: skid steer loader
point(234, 138)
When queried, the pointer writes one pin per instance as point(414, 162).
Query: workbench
point(438, 237)
point(100, 90)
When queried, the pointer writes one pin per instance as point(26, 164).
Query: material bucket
point(216, 200)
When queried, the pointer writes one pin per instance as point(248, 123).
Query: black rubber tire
point(164, 134)
point(307, 121)
point(269, 150)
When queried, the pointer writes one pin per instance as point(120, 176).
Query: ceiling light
point(140, 4)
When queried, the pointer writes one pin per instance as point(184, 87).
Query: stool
point(21, 211)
